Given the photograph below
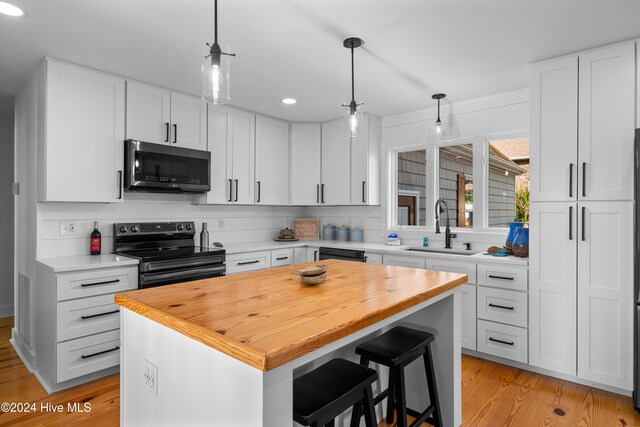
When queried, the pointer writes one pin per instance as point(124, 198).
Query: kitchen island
point(224, 351)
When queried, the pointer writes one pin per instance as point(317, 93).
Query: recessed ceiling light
point(289, 101)
point(9, 9)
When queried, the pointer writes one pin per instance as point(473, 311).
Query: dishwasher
point(343, 254)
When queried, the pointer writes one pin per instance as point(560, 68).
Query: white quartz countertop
point(85, 262)
point(372, 247)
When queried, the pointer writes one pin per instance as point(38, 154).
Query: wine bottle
point(96, 240)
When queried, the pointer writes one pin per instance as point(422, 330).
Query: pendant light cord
point(438, 112)
point(353, 91)
point(215, 21)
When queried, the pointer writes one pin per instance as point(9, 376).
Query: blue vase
point(513, 226)
point(520, 245)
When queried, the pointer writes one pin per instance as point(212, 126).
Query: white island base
point(168, 379)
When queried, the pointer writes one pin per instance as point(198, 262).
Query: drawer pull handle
point(84, 285)
point(500, 341)
point(500, 306)
point(99, 314)
point(249, 262)
point(100, 352)
point(282, 258)
point(491, 276)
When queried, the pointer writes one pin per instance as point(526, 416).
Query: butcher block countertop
point(267, 318)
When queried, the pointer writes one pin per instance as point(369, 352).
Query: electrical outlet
point(151, 377)
point(68, 228)
point(220, 224)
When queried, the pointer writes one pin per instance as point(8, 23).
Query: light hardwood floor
point(493, 395)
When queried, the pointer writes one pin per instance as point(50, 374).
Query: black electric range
point(167, 252)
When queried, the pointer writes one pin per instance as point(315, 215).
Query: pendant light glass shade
point(216, 74)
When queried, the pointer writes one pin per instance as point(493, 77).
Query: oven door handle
point(181, 264)
point(147, 279)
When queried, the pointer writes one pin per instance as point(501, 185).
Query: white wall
point(6, 215)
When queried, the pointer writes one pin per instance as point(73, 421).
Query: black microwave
point(165, 168)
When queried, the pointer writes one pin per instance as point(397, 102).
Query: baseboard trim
point(6, 310)
point(26, 355)
point(541, 371)
point(55, 387)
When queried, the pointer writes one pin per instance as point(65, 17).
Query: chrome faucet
point(447, 230)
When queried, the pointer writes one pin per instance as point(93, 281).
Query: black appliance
point(343, 254)
point(165, 168)
point(167, 252)
point(636, 274)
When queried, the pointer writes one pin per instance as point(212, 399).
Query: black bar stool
point(395, 349)
point(324, 393)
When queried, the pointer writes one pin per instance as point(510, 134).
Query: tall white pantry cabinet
point(581, 236)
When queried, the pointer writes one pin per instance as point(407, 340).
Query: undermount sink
point(443, 251)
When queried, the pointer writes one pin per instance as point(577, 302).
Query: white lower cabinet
point(78, 324)
point(468, 316)
point(313, 254)
point(403, 261)
point(501, 340)
point(499, 305)
point(299, 255)
point(373, 259)
point(248, 261)
point(281, 257)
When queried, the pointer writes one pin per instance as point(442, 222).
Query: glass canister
point(356, 234)
point(328, 232)
point(520, 245)
point(513, 226)
point(343, 233)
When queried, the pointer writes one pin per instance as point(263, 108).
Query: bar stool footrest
point(421, 417)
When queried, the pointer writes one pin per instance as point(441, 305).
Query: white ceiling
point(413, 48)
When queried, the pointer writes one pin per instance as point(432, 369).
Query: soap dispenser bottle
point(204, 236)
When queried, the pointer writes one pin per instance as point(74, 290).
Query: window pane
point(456, 184)
point(412, 181)
point(508, 181)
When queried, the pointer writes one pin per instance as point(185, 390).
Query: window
point(508, 181)
point(411, 190)
point(456, 184)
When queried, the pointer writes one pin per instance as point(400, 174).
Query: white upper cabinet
point(163, 117)
point(272, 162)
point(231, 135)
point(554, 130)
point(552, 286)
point(305, 164)
point(148, 113)
point(336, 164)
point(607, 123)
point(189, 121)
point(81, 154)
point(605, 293)
point(365, 163)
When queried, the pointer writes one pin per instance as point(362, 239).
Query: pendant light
point(215, 68)
point(353, 110)
point(437, 132)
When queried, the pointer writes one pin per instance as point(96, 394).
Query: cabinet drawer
point(373, 259)
point(468, 268)
point(505, 341)
point(281, 257)
point(83, 356)
point(87, 316)
point(515, 278)
point(96, 282)
point(502, 306)
point(403, 261)
point(248, 261)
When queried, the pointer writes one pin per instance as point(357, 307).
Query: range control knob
point(180, 227)
point(135, 228)
point(123, 229)
point(189, 226)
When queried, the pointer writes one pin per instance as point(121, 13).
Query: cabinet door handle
point(504, 307)
point(230, 190)
point(317, 193)
point(584, 179)
point(106, 282)
point(570, 222)
point(99, 314)
point(175, 133)
point(100, 352)
point(119, 184)
point(322, 193)
point(491, 276)
point(258, 200)
point(249, 262)
point(236, 198)
point(282, 258)
point(166, 139)
point(315, 255)
point(363, 185)
point(500, 341)
point(583, 226)
point(570, 179)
